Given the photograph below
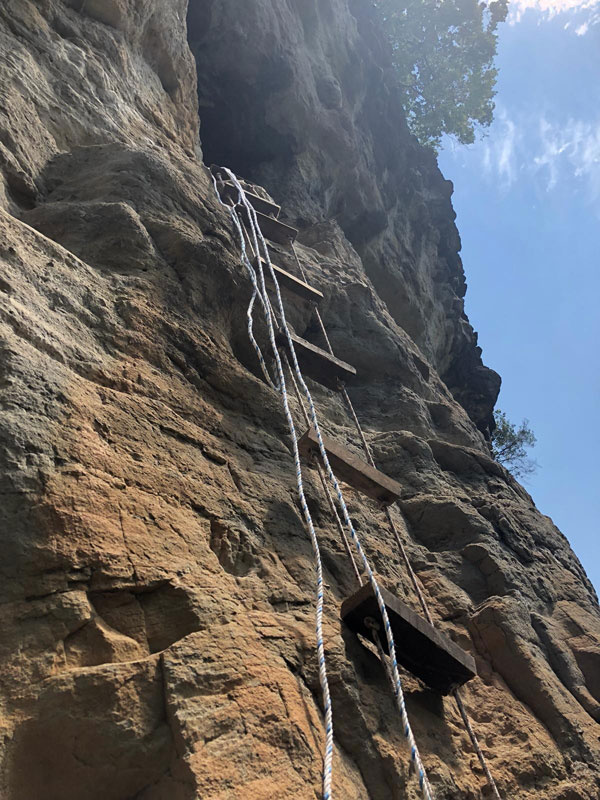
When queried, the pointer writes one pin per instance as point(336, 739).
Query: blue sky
point(527, 196)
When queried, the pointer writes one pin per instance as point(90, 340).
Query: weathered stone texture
point(157, 584)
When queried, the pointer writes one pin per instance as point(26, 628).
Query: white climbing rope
point(255, 293)
point(323, 480)
point(261, 291)
point(398, 692)
point(456, 693)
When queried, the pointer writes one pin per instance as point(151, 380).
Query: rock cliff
point(157, 581)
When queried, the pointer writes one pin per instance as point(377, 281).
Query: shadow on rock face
point(108, 235)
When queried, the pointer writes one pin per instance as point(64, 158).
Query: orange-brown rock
point(158, 591)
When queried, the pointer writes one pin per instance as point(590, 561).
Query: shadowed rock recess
point(158, 585)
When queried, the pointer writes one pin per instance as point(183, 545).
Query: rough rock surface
point(157, 593)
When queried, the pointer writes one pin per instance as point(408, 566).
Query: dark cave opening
point(304, 110)
point(233, 84)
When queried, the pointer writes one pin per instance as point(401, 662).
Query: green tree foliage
point(509, 445)
point(443, 52)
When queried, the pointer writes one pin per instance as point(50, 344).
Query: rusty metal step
point(318, 363)
point(420, 648)
point(351, 469)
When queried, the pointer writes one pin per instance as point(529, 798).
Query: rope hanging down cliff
point(261, 291)
point(260, 288)
point(414, 580)
point(423, 603)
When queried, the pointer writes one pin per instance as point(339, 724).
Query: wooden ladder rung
point(351, 469)
point(318, 363)
point(288, 281)
point(422, 649)
point(229, 192)
point(272, 228)
point(275, 230)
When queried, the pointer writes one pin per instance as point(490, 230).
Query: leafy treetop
point(509, 443)
point(443, 52)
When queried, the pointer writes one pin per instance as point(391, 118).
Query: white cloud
point(500, 150)
point(569, 149)
point(548, 9)
point(506, 152)
point(553, 155)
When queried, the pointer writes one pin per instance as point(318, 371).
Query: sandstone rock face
point(157, 580)
point(303, 108)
